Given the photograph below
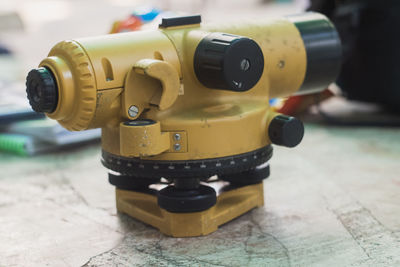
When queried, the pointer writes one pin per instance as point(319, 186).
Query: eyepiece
point(42, 91)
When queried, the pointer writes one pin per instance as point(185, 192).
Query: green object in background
point(17, 144)
point(24, 145)
point(31, 137)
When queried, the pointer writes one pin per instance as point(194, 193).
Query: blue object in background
point(273, 101)
point(146, 13)
point(13, 114)
point(4, 50)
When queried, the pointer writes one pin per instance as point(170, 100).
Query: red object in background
point(298, 104)
point(290, 105)
point(132, 23)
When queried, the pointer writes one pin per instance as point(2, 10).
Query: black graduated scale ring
point(202, 169)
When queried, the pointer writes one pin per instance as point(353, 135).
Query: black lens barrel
point(323, 48)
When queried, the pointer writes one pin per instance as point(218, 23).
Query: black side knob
point(228, 62)
point(286, 131)
point(41, 88)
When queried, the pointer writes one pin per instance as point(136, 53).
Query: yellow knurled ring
point(84, 105)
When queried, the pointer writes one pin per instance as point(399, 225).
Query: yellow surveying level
point(187, 102)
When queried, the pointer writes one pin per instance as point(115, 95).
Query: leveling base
point(230, 204)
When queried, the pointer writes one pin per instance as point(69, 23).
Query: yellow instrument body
point(100, 78)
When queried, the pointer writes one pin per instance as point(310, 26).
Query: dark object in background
point(371, 48)
point(4, 50)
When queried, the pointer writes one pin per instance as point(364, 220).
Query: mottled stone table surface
point(332, 201)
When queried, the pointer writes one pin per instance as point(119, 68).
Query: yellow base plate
point(230, 204)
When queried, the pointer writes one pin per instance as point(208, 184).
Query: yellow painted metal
point(181, 141)
point(148, 74)
point(76, 85)
point(143, 141)
point(100, 78)
point(230, 204)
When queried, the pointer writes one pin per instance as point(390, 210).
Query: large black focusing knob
point(41, 88)
point(286, 131)
point(228, 62)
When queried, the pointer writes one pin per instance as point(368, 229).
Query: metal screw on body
point(177, 147)
point(244, 64)
point(177, 137)
point(133, 111)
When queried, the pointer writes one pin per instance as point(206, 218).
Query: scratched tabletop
point(332, 201)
